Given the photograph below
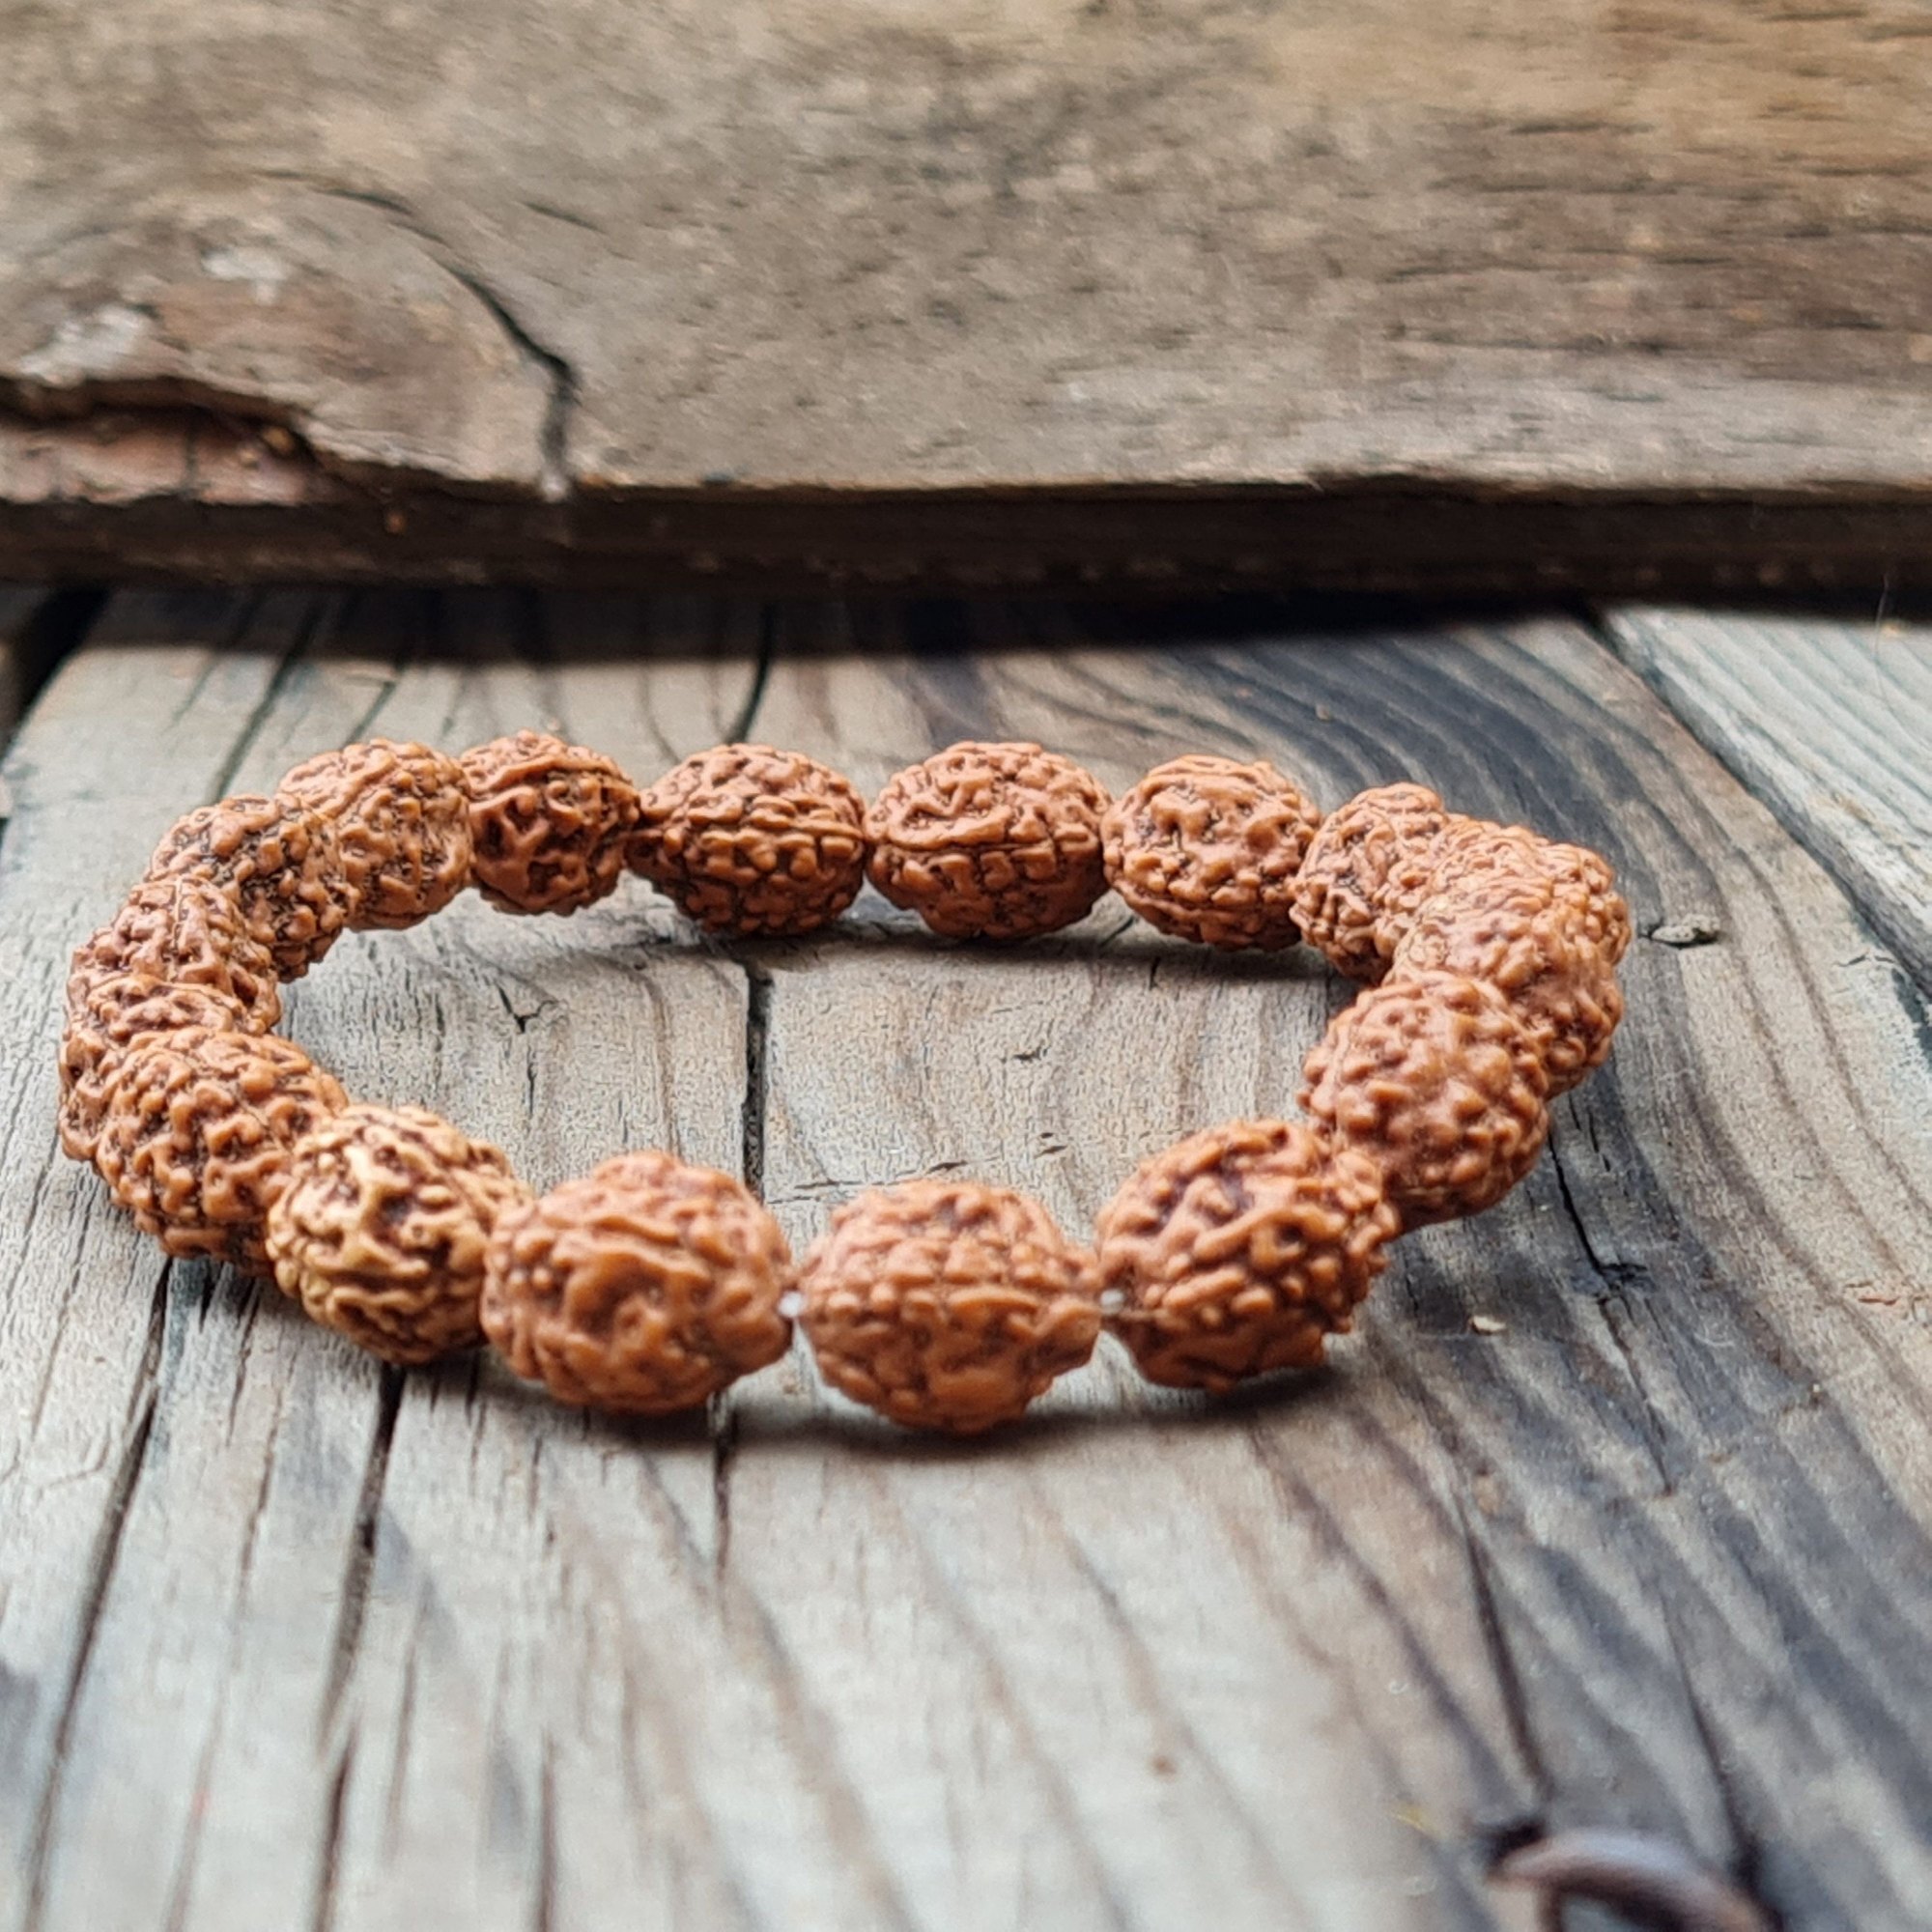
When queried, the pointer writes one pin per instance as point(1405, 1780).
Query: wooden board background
point(287, 1639)
point(1351, 292)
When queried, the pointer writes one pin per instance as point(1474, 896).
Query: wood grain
point(288, 1639)
point(1829, 721)
point(1647, 1472)
point(203, 1758)
point(757, 267)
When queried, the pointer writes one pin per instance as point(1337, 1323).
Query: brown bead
point(402, 827)
point(990, 841)
point(1579, 878)
point(188, 930)
point(1367, 869)
point(549, 822)
point(1240, 1250)
point(382, 1229)
point(1435, 1077)
point(113, 1015)
point(1516, 932)
point(196, 1137)
point(1207, 850)
point(646, 1286)
point(749, 840)
point(280, 859)
point(947, 1304)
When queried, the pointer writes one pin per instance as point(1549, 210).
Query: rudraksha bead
point(1435, 1077)
point(1515, 932)
point(402, 826)
point(1240, 1250)
point(196, 1137)
point(750, 840)
point(382, 1229)
point(1579, 877)
point(113, 1015)
point(279, 858)
point(1367, 869)
point(187, 929)
point(990, 841)
point(645, 1287)
point(549, 822)
point(1207, 850)
point(947, 1304)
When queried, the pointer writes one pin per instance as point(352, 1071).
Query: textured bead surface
point(280, 860)
point(1437, 1080)
point(188, 930)
point(750, 840)
point(382, 1227)
point(1207, 850)
point(947, 1304)
point(402, 826)
point(990, 841)
point(1537, 947)
point(549, 822)
point(115, 1014)
point(1367, 869)
point(1239, 1250)
point(646, 1286)
point(1579, 878)
point(196, 1136)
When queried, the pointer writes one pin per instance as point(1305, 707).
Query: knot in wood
point(1240, 1250)
point(401, 816)
point(990, 841)
point(1437, 1078)
point(646, 1286)
point(184, 928)
point(113, 1015)
point(382, 1227)
point(750, 840)
point(196, 1136)
point(1367, 869)
point(549, 822)
point(1538, 947)
point(1207, 850)
point(279, 858)
point(947, 1305)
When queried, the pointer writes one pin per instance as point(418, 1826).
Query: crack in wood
point(1747, 1846)
point(561, 377)
point(1503, 1669)
point(352, 1597)
point(322, 1906)
point(142, 1404)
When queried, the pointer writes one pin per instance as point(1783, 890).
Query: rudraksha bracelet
point(1487, 953)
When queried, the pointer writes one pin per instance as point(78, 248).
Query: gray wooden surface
point(1830, 721)
point(286, 1640)
point(757, 281)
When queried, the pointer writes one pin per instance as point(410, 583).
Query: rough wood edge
point(177, 498)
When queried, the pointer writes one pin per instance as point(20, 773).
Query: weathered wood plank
point(141, 723)
point(263, 1522)
point(729, 265)
point(1830, 723)
point(294, 1640)
point(1229, 1650)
